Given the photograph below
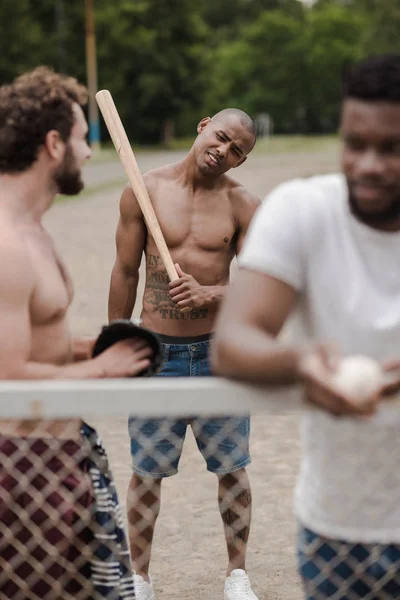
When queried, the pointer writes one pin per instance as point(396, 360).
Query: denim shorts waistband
point(174, 340)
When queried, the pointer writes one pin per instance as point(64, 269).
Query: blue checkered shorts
point(156, 444)
point(341, 570)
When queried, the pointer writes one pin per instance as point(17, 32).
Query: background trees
point(170, 62)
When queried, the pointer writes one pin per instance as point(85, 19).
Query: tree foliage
point(170, 62)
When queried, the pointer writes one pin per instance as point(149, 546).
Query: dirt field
point(189, 557)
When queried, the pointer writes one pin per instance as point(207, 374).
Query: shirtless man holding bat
point(204, 216)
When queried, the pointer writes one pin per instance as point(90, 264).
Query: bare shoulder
point(16, 271)
point(243, 201)
point(129, 205)
point(158, 176)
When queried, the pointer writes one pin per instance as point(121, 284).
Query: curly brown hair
point(35, 103)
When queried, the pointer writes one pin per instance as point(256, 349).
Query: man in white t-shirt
point(327, 251)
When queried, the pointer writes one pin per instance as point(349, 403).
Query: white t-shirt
point(348, 279)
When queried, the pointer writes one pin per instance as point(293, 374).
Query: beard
point(387, 216)
point(67, 176)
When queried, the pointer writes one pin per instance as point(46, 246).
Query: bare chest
point(52, 292)
point(205, 221)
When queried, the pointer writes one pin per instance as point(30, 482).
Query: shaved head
point(224, 141)
point(243, 117)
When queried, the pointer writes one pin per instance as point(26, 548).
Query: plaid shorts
point(156, 444)
point(61, 528)
point(341, 570)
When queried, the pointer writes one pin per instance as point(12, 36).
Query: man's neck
point(191, 177)
point(27, 195)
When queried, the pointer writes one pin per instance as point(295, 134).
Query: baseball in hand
point(358, 377)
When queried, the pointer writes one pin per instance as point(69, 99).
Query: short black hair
point(243, 117)
point(375, 79)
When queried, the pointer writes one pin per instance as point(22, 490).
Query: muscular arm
point(130, 240)
point(245, 346)
point(214, 294)
point(82, 348)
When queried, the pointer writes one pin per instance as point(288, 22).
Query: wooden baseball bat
point(127, 157)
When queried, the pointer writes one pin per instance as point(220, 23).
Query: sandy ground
point(189, 557)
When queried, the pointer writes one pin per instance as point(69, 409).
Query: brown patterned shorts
point(46, 511)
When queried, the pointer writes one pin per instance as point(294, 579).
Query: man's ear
point(241, 161)
point(54, 144)
point(203, 123)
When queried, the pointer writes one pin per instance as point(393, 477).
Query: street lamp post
point(91, 68)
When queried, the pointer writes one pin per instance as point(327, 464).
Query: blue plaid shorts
point(156, 444)
point(341, 570)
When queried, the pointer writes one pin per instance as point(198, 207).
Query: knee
point(148, 483)
point(237, 486)
point(236, 479)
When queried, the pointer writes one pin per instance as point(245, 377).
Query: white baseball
point(358, 377)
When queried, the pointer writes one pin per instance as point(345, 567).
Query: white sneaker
point(238, 586)
point(143, 589)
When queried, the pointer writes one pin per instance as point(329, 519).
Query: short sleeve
point(274, 244)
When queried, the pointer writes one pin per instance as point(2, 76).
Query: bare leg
point(143, 506)
point(234, 499)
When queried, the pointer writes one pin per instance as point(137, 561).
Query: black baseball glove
point(123, 329)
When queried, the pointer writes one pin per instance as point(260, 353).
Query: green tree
point(288, 68)
point(384, 25)
point(382, 22)
point(151, 55)
point(334, 38)
point(169, 62)
point(34, 33)
point(262, 71)
point(17, 24)
point(226, 20)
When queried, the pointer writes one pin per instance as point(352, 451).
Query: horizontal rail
point(147, 397)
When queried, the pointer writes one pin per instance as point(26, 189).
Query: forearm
point(122, 296)
point(251, 355)
point(89, 369)
point(214, 294)
point(81, 348)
